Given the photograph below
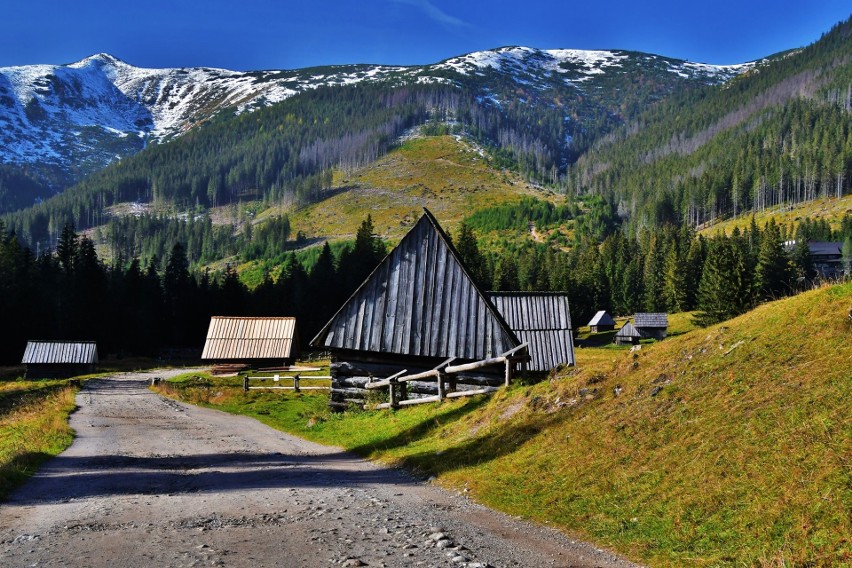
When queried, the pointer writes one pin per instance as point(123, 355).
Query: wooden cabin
point(627, 335)
point(651, 325)
point(419, 312)
point(601, 322)
point(59, 359)
point(542, 320)
point(235, 343)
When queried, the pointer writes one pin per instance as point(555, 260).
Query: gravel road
point(152, 482)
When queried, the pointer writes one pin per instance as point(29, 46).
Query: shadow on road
point(65, 478)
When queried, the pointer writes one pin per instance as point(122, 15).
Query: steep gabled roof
point(251, 338)
point(651, 320)
point(419, 301)
point(541, 319)
point(627, 330)
point(60, 353)
point(602, 318)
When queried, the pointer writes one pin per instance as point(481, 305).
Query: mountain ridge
point(64, 122)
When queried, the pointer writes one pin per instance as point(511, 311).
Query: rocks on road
point(149, 481)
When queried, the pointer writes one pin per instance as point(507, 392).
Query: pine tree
point(723, 291)
point(674, 284)
point(468, 250)
point(772, 274)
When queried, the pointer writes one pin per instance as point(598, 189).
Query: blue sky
point(287, 34)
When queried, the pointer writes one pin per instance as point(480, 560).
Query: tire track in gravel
point(150, 481)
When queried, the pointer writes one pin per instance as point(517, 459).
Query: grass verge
point(33, 427)
point(724, 446)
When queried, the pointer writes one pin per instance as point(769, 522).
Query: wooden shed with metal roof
point(543, 321)
point(417, 312)
point(651, 325)
point(252, 341)
point(55, 359)
point(601, 322)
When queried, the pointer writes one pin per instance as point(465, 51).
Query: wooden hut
point(601, 322)
point(239, 342)
point(418, 312)
point(627, 335)
point(651, 325)
point(56, 359)
point(542, 320)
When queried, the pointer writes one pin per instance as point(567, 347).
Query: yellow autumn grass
point(33, 428)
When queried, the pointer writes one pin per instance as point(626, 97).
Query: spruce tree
point(772, 274)
point(723, 291)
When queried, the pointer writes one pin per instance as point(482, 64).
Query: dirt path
point(151, 482)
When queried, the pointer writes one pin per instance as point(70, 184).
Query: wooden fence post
point(296, 383)
point(245, 383)
point(394, 399)
point(509, 368)
point(442, 388)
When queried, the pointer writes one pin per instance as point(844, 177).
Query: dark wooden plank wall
point(420, 302)
point(543, 320)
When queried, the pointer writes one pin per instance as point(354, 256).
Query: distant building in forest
point(651, 325)
point(827, 258)
point(259, 341)
point(601, 322)
point(542, 320)
point(57, 359)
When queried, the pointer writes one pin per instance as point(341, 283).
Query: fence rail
point(444, 374)
point(296, 378)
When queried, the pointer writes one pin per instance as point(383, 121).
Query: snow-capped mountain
point(66, 121)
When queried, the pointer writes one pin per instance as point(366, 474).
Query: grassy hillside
point(831, 209)
point(447, 175)
point(728, 445)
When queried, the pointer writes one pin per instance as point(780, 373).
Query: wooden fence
point(278, 378)
point(447, 377)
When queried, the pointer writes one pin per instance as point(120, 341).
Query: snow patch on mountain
point(84, 115)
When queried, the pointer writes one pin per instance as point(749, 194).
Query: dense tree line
point(141, 307)
point(670, 269)
point(778, 135)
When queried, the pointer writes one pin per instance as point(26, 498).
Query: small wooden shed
point(652, 325)
point(251, 341)
point(601, 322)
point(627, 335)
point(57, 359)
point(543, 321)
point(417, 312)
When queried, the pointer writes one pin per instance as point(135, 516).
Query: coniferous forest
point(141, 307)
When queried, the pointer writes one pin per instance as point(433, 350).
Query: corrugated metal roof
point(250, 338)
point(420, 301)
point(651, 320)
point(541, 319)
point(60, 353)
point(602, 318)
point(628, 330)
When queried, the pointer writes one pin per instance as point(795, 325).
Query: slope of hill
point(446, 174)
point(829, 209)
point(64, 122)
point(778, 134)
point(727, 445)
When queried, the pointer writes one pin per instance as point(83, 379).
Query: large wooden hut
point(543, 321)
point(243, 342)
point(651, 325)
point(55, 359)
point(601, 322)
point(419, 312)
